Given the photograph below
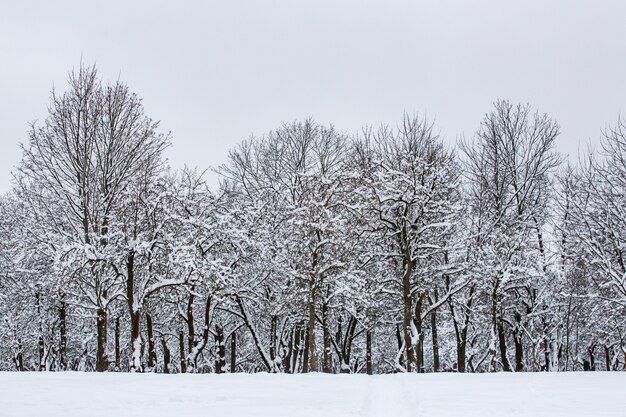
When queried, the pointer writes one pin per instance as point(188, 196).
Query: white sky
point(215, 72)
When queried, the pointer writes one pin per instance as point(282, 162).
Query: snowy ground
point(487, 395)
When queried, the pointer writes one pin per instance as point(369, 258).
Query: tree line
point(383, 251)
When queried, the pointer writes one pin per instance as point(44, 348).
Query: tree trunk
point(152, 356)
point(134, 313)
point(407, 316)
point(502, 344)
point(135, 344)
point(220, 350)
point(419, 346)
point(198, 347)
point(519, 348)
point(400, 344)
point(461, 344)
point(498, 327)
point(460, 355)
point(41, 347)
point(288, 356)
point(273, 326)
point(117, 344)
point(368, 352)
point(305, 357)
point(433, 325)
point(298, 335)
point(42, 352)
point(102, 362)
point(327, 358)
point(592, 357)
point(167, 357)
point(63, 335)
point(311, 342)
point(346, 347)
point(519, 353)
point(19, 356)
point(181, 347)
point(191, 334)
point(460, 331)
point(567, 330)
point(233, 352)
point(271, 367)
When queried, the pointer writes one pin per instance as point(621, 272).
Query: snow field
point(264, 395)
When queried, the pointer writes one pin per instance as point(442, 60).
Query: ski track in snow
point(313, 395)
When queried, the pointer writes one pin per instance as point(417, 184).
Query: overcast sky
point(215, 72)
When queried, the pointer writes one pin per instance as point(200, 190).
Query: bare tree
point(94, 144)
point(411, 185)
point(509, 166)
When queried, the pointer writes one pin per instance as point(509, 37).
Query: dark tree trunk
point(460, 355)
point(198, 347)
point(346, 347)
point(271, 367)
point(400, 343)
point(220, 361)
point(567, 330)
point(499, 327)
point(152, 356)
point(546, 354)
point(519, 348)
point(135, 345)
point(63, 335)
point(102, 361)
point(326, 358)
point(310, 339)
point(167, 357)
point(502, 344)
point(41, 347)
point(191, 334)
point(181, 347)
point(19, 356)
point(298, 335)
point(117, 344)
point(338, 337)
point(592, 358)
point(233, 352)
point(460, 330)
point(607, 357)
point(288, 356)
point(419, 348)
point(42, 352)
point(273, 326)
point(305, 357)
point(433, 327)
point(407, 315)
point(134, 313)
point(368, 352)
point(519, 353)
